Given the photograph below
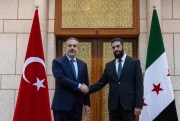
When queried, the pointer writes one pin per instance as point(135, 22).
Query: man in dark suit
point(71, 77)
point(124, 76)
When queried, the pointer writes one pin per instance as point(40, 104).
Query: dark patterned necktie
point(119, 68)
point(73, 67)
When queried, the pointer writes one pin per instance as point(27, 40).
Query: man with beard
point(124, 76)
point(71, 77)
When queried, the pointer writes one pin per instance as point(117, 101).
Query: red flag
point(33, 98)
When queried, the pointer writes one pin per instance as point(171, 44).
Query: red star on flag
point(144, 104)
point(168, 73)
point(157, 88)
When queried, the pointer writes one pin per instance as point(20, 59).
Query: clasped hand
point(84, 88)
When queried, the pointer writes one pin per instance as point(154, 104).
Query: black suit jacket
point(128, 89)
point(67, 93)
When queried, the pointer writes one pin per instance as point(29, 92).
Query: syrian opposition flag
point(158, 104)
point(33, 98)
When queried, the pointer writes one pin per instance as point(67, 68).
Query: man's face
point(72, 48)
point(117, 49)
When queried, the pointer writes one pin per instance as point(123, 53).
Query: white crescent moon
point(31, 60)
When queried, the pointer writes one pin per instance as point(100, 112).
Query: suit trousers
point(121, 115)
point(72, 115)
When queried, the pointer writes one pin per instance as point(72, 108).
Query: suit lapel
point(79, 68)
point(126, 63)
point(113, 68)
point(66, 61)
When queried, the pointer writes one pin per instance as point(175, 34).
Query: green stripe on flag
point(156, 45)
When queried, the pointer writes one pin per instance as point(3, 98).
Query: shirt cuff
point(79, 86)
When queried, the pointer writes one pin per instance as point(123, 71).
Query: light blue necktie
point(73, 67)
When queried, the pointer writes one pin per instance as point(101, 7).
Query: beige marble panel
point(8, 9)
point(171, 26)
point(143, 9)
point(22, 42)
point(175, 82)
point(168, 44)
point(0, 81)
point(51, 82)
point(167, 9)
point(26, 9)
point(177, 53)
point(51, 95)
point(142, 50)
point(44, 43)
point(143, 25)
point(17, 26)
point(51, 52)
point(177, 101)
point(50, 25)
point(8, 53)
point(176, 9)
point(6, 105)
point(1, 26)
point(51, 9)
point(10, 81)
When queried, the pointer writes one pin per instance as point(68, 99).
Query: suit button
point(118, 82)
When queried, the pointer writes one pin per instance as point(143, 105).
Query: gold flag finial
point(154, 7)
point(37, 6)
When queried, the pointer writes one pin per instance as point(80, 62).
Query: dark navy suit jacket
point(67, 93)
point(128, 89)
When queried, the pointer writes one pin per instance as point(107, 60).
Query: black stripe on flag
point(168, 114)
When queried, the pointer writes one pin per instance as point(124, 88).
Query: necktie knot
point(72, 61)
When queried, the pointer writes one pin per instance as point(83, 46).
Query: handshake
point(84, 88)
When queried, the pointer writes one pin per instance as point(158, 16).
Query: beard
point(119, 54)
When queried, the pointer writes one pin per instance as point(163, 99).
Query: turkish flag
point(33, 98)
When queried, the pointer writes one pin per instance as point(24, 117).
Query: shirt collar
point(122, 59)
point(69, 58)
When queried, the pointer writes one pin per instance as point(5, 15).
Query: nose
point(72, 47)
point(116, 48)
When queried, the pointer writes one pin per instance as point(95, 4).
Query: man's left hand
point(137, 111)
point(86, 108)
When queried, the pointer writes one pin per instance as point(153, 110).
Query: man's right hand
point(84, 89)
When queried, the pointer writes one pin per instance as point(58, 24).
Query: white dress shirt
point(122, 62)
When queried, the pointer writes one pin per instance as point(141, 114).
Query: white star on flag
point(39, 84)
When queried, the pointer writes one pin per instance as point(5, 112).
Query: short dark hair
point(117, 40)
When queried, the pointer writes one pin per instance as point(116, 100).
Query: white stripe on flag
point(156, 103)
